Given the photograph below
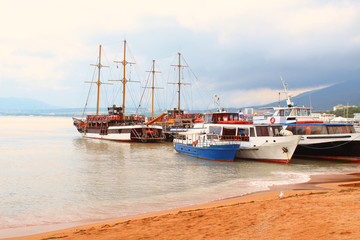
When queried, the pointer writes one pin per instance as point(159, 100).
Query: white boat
point(260, 142)
point(337, 141)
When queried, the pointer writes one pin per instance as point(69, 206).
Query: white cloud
point(40, 39)
point(260, 96)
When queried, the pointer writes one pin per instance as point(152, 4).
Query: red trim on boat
point(309, 122)
point(235, 122)
point(341, 158)
point(267, 160)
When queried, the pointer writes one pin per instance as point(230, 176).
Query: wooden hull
point(124, 133)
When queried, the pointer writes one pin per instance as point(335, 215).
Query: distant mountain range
point(325, 99)
point(347, 92)
point(12, 103)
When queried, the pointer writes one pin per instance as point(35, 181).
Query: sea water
point(50, 175)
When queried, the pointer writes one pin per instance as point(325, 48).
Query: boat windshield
point(320, 129)
point(229, 131)
point(216, 117)
point(212, 137)
point(303, 112)
point(276, 130)
point(283, 112)
point(262, 131)
point(215, 130)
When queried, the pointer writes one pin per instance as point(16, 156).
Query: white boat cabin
point(286, 115)
point(242, 132)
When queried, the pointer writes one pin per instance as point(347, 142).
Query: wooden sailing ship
point(116, 125)
point(175, 120)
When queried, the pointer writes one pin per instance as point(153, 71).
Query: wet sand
point(326, 207)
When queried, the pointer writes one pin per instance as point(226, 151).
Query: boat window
point(252, 132)
point(319, 129)
point(139, 130)
point(276, 130)
point(207, 118)
point(306, 112)
point(281, 112)
point(236, 117)
point(180, 137)
point(308, 129)
point(336, 129)
point(229, 131)
point(291, 129)
point(350, 128)
point(212, 136)
point(262, 131)
point(243, 132)
point(215, 130)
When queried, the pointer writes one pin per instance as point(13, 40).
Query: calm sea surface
point(50, 175)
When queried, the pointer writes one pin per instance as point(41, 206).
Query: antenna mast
point(288, 101)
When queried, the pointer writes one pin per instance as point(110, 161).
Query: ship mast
point(179, 83)
point(153, 87)
point(124, 80)
point(98, 83)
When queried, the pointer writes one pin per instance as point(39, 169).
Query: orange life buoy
point(137, 118)
point(272, 120)
point(117, 117)
point(188, 115)
point(112, 117)
point(197, 115)
point(143, 118)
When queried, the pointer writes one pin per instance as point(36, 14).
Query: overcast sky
point(238, 49)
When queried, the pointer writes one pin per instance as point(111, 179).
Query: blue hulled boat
point(206, 146)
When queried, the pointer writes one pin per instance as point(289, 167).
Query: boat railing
point(242, 138)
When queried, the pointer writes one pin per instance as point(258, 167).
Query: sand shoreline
point(324, 187)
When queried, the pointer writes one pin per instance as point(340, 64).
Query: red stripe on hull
point(107, 139)
point(341, 158)
point(267, 160)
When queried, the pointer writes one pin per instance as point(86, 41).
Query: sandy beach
point(326, 207)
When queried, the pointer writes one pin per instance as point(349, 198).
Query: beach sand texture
point(329, 211)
